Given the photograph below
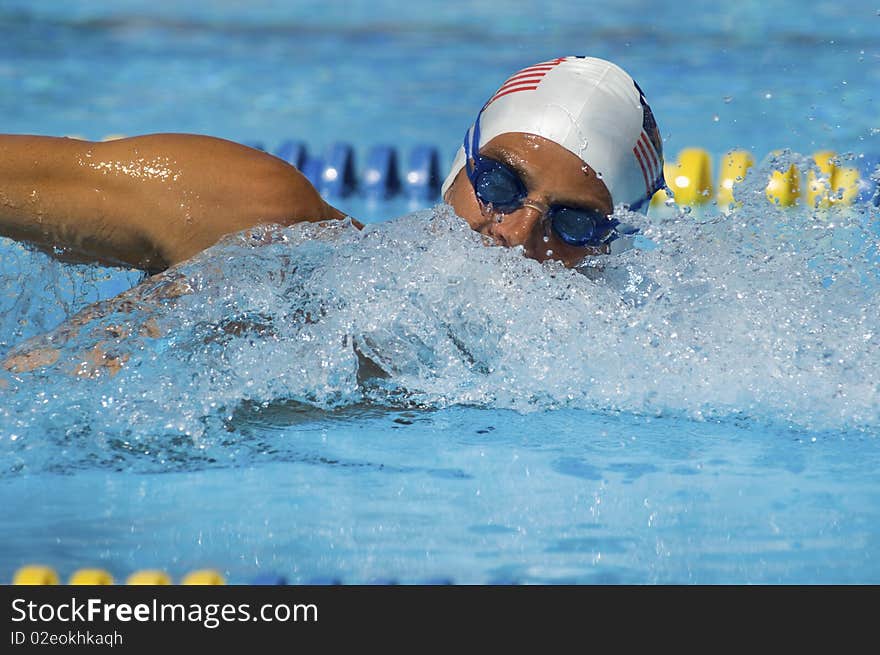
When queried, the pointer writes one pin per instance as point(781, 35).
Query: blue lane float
point(313, 168)
point(423, 174)
point(338, 178)
point(294, 153)
point(380, 180)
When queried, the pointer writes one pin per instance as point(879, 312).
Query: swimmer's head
point(578, 134)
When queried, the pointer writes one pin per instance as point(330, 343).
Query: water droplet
point(716, 118)
point(549, 253)
point(546, 239)
point(728, 100)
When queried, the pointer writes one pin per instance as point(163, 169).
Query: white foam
point(767, 314)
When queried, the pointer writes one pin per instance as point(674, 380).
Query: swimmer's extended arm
point(104, 345)
point(149, 201)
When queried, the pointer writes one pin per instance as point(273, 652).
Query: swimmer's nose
point(518, 228)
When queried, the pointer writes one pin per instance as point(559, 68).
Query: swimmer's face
point(553, 176)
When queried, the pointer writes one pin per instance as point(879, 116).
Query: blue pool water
point(406, 404)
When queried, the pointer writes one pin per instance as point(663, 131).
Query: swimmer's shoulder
point(218, 187)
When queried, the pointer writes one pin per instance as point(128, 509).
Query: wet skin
point(552, 175)
point(147, 202)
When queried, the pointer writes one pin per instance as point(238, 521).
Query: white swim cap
point(590, 107)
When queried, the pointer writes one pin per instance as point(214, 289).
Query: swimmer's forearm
point(149, 201)
point(139, 306)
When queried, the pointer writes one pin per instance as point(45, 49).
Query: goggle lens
point(580, 227)
point(495, 184)
point(500, 187)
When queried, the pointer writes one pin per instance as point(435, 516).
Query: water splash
point(766, 314)
point(38, 292)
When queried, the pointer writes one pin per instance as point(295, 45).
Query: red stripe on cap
point(526, 79)
point(536, 69)
point(522, 88)
point(644, 172)
point(551, 62)
point(654, 158)
point(514, 85)
point(650, 170)
point(525, 76)
point(547, 65)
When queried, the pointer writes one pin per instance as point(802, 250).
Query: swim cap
point(590, 107)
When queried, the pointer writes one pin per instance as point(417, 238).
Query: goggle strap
point(472, 149)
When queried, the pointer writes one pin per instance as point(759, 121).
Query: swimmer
point(548, 158)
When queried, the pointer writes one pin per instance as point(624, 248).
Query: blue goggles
point(500, 186)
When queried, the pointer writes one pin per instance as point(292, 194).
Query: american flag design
point(648, 150)
point(526, 79)
point(650, 162)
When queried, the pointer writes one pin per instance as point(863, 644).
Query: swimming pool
point(705, 411)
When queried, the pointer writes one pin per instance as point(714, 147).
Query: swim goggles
point(499, 186)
